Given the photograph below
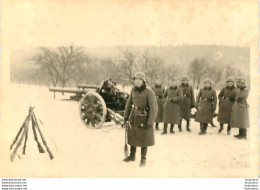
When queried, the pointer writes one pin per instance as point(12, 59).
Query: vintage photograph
point(129, 89)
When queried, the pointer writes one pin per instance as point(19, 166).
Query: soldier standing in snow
point(172, 109)
point(239, 113)
point(141, 111)
point(187, 102)
point(206, 105)
point(227, 97)
point(159, 91)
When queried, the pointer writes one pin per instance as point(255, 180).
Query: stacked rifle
point(22, 136)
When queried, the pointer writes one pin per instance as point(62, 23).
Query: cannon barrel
point(88, 86)
point(67, 90)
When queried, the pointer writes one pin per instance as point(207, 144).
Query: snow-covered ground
point(84, 152)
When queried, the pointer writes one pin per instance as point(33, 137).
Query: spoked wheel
point(93, 110)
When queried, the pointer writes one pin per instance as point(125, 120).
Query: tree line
point(67, 66)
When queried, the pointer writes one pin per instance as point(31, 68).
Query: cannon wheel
point(93, 110)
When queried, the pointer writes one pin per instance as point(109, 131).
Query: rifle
point(127, 124)
point(126, 147)
point(42, 137)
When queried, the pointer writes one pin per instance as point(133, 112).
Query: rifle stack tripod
point(22, 135)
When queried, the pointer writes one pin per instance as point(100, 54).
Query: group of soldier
point(147, 105)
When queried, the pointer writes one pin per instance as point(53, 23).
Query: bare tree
point(215, 73)
point(170, 71)
point(229, 72)
point(61, 66)
point(70, 60)
point(46, 59)
point(152, 66)
point(197, 71)
point(125, 65)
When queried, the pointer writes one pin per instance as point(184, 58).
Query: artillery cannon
point(98, 104)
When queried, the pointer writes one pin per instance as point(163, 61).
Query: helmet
point(173, 79)
point(140, 75)
point(185, 77)
point(158, 77)
point(230, 79)
point(207, 80)
point(241, 80)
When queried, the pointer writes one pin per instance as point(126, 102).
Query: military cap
point(140, 75)
point(185, 77)
point(230, 79)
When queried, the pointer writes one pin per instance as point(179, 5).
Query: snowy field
point(84, 152)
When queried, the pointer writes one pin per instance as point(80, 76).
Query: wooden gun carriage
point(98, 104)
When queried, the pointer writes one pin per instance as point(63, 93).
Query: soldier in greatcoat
point(159, 91)
point(141, 111)
point(239, 113)
point(206, 105)
point(172, 109)
point(227, 97)
point(187, 103)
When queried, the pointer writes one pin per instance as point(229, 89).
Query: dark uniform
point(172, 109)
point(159, 91)
point(141, 111)
point(187, 103)
point(206, 106)
point(239, 113)
point(226, 98)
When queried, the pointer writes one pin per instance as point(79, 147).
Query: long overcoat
point(172, 109)
point(240, 114)
point(159, 92)
point(226, 98)
point(141, 136)
point(187, 102)
point(206, 103)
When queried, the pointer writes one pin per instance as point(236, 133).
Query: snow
point(82, 152)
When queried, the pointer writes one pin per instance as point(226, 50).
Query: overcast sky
point(108, 23)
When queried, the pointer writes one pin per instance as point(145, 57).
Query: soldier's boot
point(143, 156)
point(212, 124)
point(188, 125)
point(221, 128)
point(165, 129)
point(228, 129)
point(157, 126)
point(243, 133)
point(131, 157)
point(171, 130)
point(239, 134)
point(179, 126)
point(203, 129)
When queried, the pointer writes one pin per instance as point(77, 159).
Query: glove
point(210, 99)
point(174, 99)
point(232, 99)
